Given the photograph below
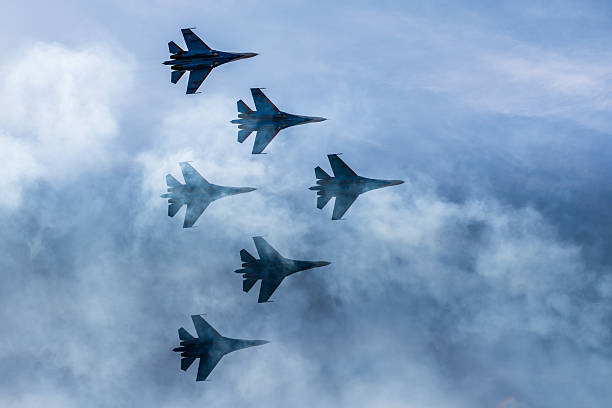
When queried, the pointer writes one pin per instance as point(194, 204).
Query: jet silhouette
point(209, 347)
point(267, 120)
point(346, 186)
point(271, 268)
point(196, 193)
point(199, 60)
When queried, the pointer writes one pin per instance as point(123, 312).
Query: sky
point(483, 281)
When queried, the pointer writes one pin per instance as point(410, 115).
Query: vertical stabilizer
point(243, 134)
point(186, 362)
point(174, 49)
point(245, 256)
point(176, 76)
point(184, 334)
point(322, 201)
point(247, 284)
point(174, 207)
point(321, 174)
point(171, 181)
point(243, 107)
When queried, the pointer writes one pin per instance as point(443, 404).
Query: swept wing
point(196, 78)
point(340, 168)
point(207, 364)
point(262, 103)
point(268, 286)
point(342, 204)
point(263, 139)
point(194, 43)
point(265, 250)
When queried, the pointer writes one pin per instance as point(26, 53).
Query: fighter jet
point(196, 193)
point(271, 268)
point(346, 186)
point(209, 347)
point(199, 60)
point(267, 120)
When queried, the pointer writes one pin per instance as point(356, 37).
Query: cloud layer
point(482, 281)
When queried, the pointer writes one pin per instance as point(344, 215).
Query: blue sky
point(483, 281)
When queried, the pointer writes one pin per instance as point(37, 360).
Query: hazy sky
point(483, 281)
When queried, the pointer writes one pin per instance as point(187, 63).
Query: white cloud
point(494, 72)
point(62, 112)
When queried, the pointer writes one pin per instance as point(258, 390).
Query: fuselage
point(280, 120)
point(210, 192)
point(353, 185)
point(189, 60)
point(266, 269)
point(197, 347)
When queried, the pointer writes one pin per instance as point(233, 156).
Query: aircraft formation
point(197, 194)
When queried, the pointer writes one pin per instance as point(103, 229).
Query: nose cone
point(316, 119)
point(395, 182)
point(260, 342)
point(247, 189)
point(246, 55)
point(321, 263)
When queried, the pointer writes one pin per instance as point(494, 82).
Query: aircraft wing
point(196, 78)
point(194, 43)
point(203, 328)
point(207, 364)
point(343, 202)
point(265, 250)
point(193, 212)
point(191, 175)
point(263, 139)
point(340, 168)
point(262, 103)
point(268, 286)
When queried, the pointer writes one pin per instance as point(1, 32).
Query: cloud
point(64, 112)
point(482, 279)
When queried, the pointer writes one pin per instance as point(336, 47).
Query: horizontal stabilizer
point(323, 200)
point(245, 256)
point(321, 174)
point(171, 181)
point(184, 334)
point(247, 284)
point(173, 208)
point(174, 49)
point(243, 134)
point(186, 362)
point(176, 76)
point(243, 107)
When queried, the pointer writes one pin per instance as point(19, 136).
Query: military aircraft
point(271, 268)
point(267, 120)
point(196, 193)
point(209, 347)
point(199, 60)
point(346, 186)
